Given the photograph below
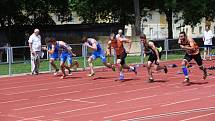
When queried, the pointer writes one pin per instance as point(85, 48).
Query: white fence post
point(166, 45)
point(9, 52)
point(84, 54)
point(142, 53)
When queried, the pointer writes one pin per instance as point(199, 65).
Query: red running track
point(79, 98)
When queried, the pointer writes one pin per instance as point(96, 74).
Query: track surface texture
point(100, 98)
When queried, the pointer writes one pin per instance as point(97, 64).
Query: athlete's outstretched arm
point(108, 51)
point(127, 41)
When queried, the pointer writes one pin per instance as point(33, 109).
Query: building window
point(187, 30)
point(193, 30)
point(151, 32)
point(200, 29)
point(68, 18)
point(142, 29)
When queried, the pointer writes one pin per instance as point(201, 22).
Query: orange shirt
point(118, 46)
point(191, 52)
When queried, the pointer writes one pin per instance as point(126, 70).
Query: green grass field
point(19, 68)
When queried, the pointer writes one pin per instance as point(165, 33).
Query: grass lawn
point(19, 68)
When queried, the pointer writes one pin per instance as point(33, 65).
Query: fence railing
point(16, 60)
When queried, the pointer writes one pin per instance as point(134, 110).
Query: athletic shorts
point(66, 56)
point(122, 57)
point(99, 54)
point(197, 58)
point(207, 47)
point(153, 58)
point(54, 56)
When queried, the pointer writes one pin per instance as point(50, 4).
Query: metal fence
point(16, 60)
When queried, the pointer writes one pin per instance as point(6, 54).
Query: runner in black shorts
point(192, 52)
point(117, 45)
point(154, 56)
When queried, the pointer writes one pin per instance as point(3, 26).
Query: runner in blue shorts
point(54, 56)
point(65, 54)
point(97, 53)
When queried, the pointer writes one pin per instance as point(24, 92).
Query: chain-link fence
point(16, 60)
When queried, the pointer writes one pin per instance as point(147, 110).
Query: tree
point(108, 11)
point(194, 11)
point(137, 16)
point(32, 12)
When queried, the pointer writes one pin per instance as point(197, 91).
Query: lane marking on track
point(183, 101)
point(12, 101)
point(44, 96)
point(209, 86)
point(134, 99)
point(69, 111)
point(32, 118)
point(169, 93)
point(95, 96)
point(172, 114)
point(141, 89)
point(36, 106)
point(200, 116)
point(120, 114)
point(80, 101)
point(23, 92)
point(211, 96)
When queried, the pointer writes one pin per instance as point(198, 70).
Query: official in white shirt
point(208, 35)
point(35, 49)
point(120, 34)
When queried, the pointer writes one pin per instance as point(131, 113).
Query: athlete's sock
point(185, 71)
point(131, 68)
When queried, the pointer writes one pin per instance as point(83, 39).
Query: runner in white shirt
point(208, 35)
point(35, 49)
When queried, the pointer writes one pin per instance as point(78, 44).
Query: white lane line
point(74, 85)
point(172, 114)
point(120, 114)
point(200, 116)
point(69, 111)
point(141, 89)
point(183, 101)
point(37, 90)
point(211, 96)
point(35, 106)
point(95, 96)
point(169, 93)
point(32, 118)
point(134, 99)
point(28, 85)
point(59, 94)
point(12, 101)
point(79, 101)
point(209, 86)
